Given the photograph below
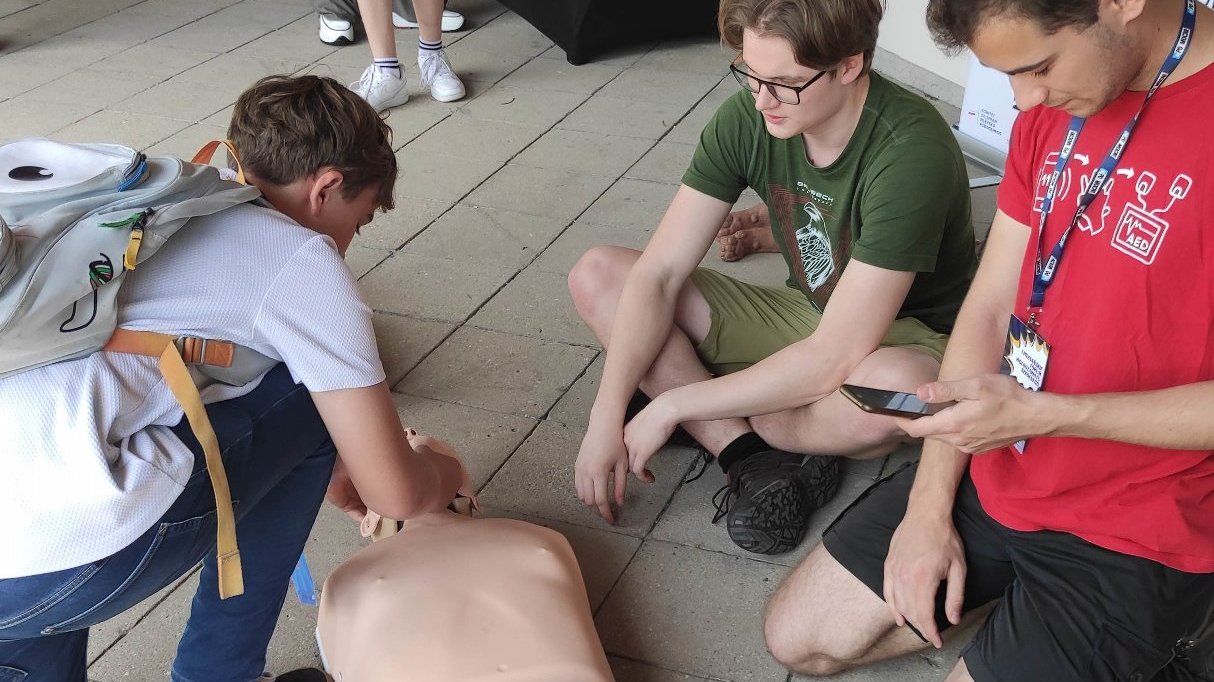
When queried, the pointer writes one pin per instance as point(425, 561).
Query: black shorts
point(1070, 610)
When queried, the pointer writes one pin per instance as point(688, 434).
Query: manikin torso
point(455, 599)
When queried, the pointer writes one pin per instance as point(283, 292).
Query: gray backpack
point(74, 218)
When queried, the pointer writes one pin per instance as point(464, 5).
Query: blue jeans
point(279, 458)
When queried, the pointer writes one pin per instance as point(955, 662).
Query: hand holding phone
point(891, 403)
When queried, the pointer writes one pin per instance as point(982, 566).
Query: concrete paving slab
point(506, 35)
point(561, 255)
point(96, 87)
point(540, 191)
point(178, 99)
point(483, 438)
point(217, 33)
point(153, 60)
point(489, 235)
point(624, 116)
point(679, 88)
point(698, 55)
point(582, 152)
point(405, 341)
point(694, 611)
point(392, 229)
point(519, 105)
point(497, 371)
point(634, 671)
point(363, 259)
point(475, 64)
point(184, 143)
point(573, 409)
point(21, 116)
point(437, 177)
point(689, 128)
point(665, 163)
point(131, 130)
point(549, 74)
point(147, 650)
point(536, 304)
point(490, 142)
point(297, 41)
point(538, 481)
point(602, 555)
point(431, 288)
point(43, 22)
point(105, 635)
point(238, 70)
point(632, 204)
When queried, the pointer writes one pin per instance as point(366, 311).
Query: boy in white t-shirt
point(106, 495)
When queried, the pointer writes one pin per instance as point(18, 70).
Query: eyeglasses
point(788, 94)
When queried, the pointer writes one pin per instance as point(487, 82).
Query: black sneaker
point(301, 675)
point(770, 497)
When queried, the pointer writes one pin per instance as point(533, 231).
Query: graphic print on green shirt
point(896, 198)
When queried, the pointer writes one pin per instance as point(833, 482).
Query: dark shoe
point(680, 437)
point(301, 675)
point(770, 497)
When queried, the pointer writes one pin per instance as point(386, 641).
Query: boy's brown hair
point(822, 32)
point(288, 127)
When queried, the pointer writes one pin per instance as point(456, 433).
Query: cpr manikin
point(450, 598)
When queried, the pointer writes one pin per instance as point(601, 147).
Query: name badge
point(1025, 356)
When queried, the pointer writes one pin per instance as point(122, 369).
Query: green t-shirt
point(897, 198)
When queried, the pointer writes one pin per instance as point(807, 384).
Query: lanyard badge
point(1026, 353)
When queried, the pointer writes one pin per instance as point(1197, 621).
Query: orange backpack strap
point(208, 150)
point(170, 350)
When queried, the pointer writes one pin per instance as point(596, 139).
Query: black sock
point(742, 447)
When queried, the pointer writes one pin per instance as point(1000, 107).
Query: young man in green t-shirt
point(869, 204)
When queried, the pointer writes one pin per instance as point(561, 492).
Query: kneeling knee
point(800, 653)
point(599, 273)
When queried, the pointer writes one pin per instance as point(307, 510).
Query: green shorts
point(751, 322)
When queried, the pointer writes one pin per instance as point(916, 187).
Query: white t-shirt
point(87, 460)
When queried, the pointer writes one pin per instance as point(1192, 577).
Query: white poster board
point(988, 111)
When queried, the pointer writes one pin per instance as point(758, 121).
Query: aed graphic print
point(1136, 228)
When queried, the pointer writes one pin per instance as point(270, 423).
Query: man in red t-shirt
point(1086, 516)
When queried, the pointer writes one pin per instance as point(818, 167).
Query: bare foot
point(745, 232)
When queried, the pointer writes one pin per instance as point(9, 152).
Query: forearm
point(974, 349)
point(643, 319)
point(1175, 418)
point(798, 375)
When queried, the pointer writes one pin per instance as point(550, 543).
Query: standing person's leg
point(273, 444)
point(432, 60)
point(403, 16)
point(383, 83)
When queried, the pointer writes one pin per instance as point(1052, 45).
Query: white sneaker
point(334, 31)
point(452, 21)
point(437, 75)
point(382, 90)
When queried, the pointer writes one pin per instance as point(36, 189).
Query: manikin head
point(824, 48)
point(317, 151)
point(1073, 55)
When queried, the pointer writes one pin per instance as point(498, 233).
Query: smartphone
point(892, 403)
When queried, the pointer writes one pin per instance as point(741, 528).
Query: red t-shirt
point(1131, 309)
